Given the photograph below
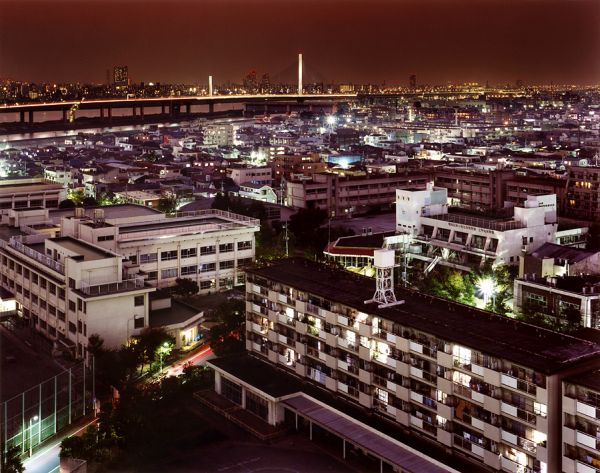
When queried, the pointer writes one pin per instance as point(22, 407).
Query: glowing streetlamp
point(165, 349)
point(487, 286)
point(31, 421)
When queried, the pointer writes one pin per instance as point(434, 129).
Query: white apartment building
point(219, 134)
point(209, 246)
point(28, 193)
point(66, 176)
point(581, 428)
point(483, 386)
point(251, 175)
point(69, 289)
point(470, 240)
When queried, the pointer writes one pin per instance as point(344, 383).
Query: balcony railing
point(39, 257)
point(111, 287)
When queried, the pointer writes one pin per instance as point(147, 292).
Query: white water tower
point(385, 260)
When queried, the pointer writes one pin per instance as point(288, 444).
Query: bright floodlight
point(487, 287)
point(331, 120)
point(35, 418)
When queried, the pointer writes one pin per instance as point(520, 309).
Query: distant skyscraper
point(412, 81)
point(250, 82)
point(265, 83)
point(120, 75)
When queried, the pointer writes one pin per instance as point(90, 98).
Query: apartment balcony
point(581, 467)
point(431, 352)
point(365, 330)
point(587, 440)
point(126, 285)
point(300, 348)
point(444, 410)
point(517, 412)
point(331, 339)
point(423, 400)
point(523, 443)
point(518, 384)
point(343, 321)
point(365, 376)
point(587, 409)
point(364, 352)
point(465, 444)
point(301, 327)
point(365, 400)
point(284, 319)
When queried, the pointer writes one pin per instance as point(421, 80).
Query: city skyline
point(392, 41)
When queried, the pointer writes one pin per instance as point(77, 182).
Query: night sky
point(538, 41)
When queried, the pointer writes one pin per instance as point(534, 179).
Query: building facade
point(209, 246)
point(68, 290)
point(426, 365)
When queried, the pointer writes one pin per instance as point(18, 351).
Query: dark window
point(207, 250)
point(168, 255)
point(72, 306)
point(138, 322)
point(72, 327)
point(244, 245)
point(138, 301)
point(225, 247)
point(188, 252)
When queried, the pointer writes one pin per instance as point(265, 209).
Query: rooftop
point(89, 252)
point(570, 283)
point(541, 349)
point(176, 314)
point(589, 379)
point(110, 211)
point(567, 253)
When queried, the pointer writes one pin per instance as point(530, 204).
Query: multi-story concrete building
point(69, 289)
point(28, 193)
point(209, 246)
point(474, 188)
point(581, 429)
point(251, 175)
point(555, 296)
point(345, 195)
point(470, 239)
point(583, 192)
point(518, 188)
point(219, 134)
point(484, 386)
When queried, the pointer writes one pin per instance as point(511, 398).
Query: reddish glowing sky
point(538, 41)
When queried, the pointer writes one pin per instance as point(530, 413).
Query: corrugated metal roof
point(392, 452)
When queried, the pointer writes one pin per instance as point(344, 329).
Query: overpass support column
point(162, 109)
point(109, 110)
point(288, 108)
point(134, 111)
point(142, 111)
point(22, 116)
point(30, 116)
point(188, 108)
point(64, 115)
point(211, 107)
point(101, 112)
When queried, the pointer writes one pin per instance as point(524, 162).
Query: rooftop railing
point(36, 255)
point(111, 287)
point(480, 222)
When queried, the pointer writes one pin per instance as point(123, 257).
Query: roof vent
point(384, 292)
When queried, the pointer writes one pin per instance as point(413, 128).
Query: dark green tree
point(305, 224)
point(167, 203)
point(593, 237)
point(185, 287)
point(11, 460)
point(67, 204)
point(228, 335)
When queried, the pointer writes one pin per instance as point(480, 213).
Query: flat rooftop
point(176, 224)
point(589, 379)
point(89, 252)
point(176, 314)
point(110, 211)
point(534, 347)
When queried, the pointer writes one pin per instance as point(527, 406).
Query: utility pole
point(287, 248)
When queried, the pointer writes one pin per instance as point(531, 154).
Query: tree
point(593, 237)
point(572, 316)
point(67, 204)
point(185, 287)
point(167, 203)
point(11, 460)
point(304, 225)
point(89, 202)
point(451, 284)
point(228, 336)
point(149, 342)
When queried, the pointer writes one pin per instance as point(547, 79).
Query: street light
point(487, 286)
point(162, 350)
point(31, 421)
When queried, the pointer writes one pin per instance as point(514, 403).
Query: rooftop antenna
point(384, 292)
point(300, 74)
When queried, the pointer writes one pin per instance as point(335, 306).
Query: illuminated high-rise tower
point(120, 75)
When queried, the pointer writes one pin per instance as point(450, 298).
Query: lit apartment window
point(207, 267)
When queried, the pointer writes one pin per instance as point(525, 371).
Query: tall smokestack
point(210, 86)
point(300, 74)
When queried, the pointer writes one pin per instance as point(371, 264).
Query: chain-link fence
point(37, 414)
